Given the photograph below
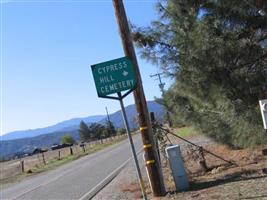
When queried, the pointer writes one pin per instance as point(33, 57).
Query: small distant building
point(60, 146)
point(38, 150)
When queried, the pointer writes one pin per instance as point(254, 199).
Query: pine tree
point(121, 131)
point(110, 128)
point(98, 131)
point(216, 53)
point(84, 132)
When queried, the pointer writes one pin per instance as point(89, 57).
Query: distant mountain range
point(25, 141)
point(62, 126)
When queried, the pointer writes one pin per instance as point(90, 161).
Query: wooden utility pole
point(161, 85)
point(108, 115)
point(151, 157)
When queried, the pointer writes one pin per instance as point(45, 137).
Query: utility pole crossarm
point(161, 85)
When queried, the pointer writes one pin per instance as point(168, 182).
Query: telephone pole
point(161, 87)
point(108, 116)
point(109, 124)
point(150, 152)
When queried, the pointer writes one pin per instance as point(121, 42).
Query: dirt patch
point(133, 188)
point(220, 181)
point(245, 180)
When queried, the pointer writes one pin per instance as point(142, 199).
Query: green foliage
point(186, 131)
point(98, 131)
point(110, 128)
point(67, 139)
point(121, 131)
point(84, 132)
point(2, 158)
point(104, 133)
point(216, 53)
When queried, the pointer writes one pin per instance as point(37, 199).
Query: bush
point(67, 139)
point(121, 131)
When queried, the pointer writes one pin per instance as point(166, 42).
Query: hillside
point(117, 120)
point(8, 148)
point(67, 125)
point(22, 146)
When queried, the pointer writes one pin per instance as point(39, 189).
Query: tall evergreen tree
point(98, 131)
point(216, 53)
point(84, 132)
point(110, 128)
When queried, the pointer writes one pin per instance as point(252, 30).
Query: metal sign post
point(113, 77)
point(132, 146)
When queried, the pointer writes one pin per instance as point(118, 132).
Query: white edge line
point(103, 183)
point(35, 188)
point(38, 186)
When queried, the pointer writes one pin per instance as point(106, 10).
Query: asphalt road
point(75, 179)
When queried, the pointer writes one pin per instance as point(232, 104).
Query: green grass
point(186, 131)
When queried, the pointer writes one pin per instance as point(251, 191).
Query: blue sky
point(47, 50)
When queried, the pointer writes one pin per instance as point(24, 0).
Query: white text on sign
point(112, 68)
point(116, 86)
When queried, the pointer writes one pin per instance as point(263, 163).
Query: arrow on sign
point(125, 73)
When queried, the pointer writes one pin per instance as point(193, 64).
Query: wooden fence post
point(202, 161)
point(43, 158)
point(59, 155)
point(71, 151)
point(22, 166)
point(83, 148)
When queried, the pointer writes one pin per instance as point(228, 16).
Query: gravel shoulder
point(245, 181)
point(125, 185)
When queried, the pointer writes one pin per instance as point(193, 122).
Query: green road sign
point(114, 76)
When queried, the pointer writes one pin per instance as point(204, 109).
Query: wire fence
point(12, 168)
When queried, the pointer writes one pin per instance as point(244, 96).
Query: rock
point(195, 195)
point(217, 170)
point(264, 152)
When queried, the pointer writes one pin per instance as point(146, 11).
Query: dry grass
point(221, 181)
point(133, 188)
point(246, 180)
point(11, 171)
